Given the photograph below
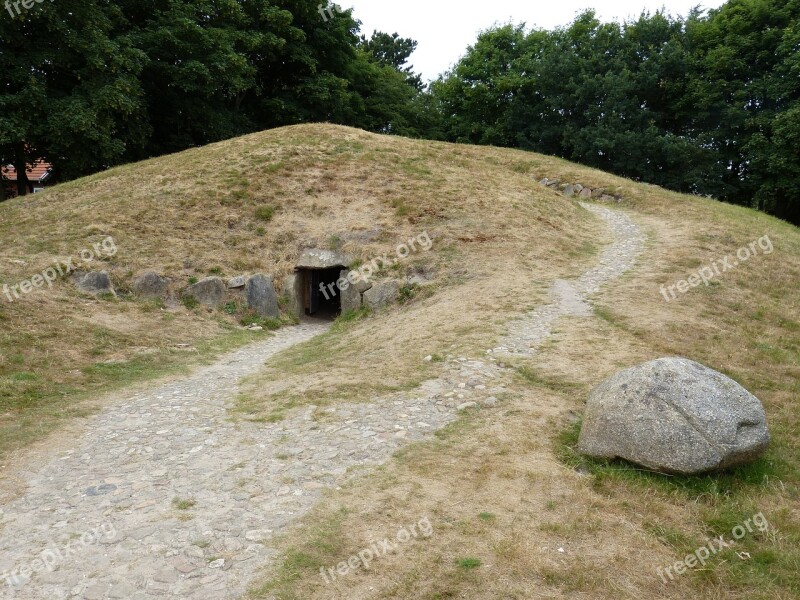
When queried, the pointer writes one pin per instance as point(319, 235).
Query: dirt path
point(164, 496)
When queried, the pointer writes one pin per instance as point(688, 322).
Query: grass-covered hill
point(504, 487)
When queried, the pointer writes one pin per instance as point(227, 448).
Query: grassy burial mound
point(514, 510)
point(251, 205)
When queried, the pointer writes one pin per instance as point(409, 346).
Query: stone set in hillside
point(96, 283)
point(260, 294)
point(353, 296)
point(382, 294)
point(675, 416)
point(151, 286)
point(572, 190)
point(257, 291)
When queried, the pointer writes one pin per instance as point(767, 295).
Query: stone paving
point(165, 497)
point(570, 298)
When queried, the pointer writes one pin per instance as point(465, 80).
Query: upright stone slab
point(382, 294)
point(94, 283)
point(150, 285)
point(351, 297)
point(208, 292)
point(261, 296)
point(293, 291)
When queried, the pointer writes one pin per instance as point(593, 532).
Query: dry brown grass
point(498, 485)
point(495, 485)
point(202, 211)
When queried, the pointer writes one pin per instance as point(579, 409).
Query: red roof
point(35, 172)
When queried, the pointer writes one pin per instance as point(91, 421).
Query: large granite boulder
point(210, 291)
point(261, 296)
point(674, 415)
point(150, 285)
point(97, 282)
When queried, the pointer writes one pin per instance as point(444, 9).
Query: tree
point(69, 92)
point(393, 51)
point(707, 104)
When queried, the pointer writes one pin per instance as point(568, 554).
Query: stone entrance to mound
point(316, 289)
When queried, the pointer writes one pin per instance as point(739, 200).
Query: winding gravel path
point(164, 497)
point(570, 297)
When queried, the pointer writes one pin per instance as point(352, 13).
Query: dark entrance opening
point(321, 296)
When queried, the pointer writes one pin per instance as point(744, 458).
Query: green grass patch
point(264, 213)
point(468, 563)
point(183, 503)
point(324, 546)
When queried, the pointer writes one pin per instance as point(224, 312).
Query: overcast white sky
point(444, 28)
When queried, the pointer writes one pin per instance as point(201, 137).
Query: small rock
point(217, 564)
point(428, 358)
point(467, 405)
point(257, 535)
point(489, 402)
point(208, 292)
point(122, 591)
point(96, 591)
point(182, 565)
point(94, 283)
point(166, 576)
point(237, 282)
point(150, 285)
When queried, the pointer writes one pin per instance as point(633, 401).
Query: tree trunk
point(21, 165)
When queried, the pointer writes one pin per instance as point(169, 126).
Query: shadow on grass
point(757, 475)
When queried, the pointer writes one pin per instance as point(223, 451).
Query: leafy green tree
point(745, 86)
point(393, 51)
point(706, 104)
point(70, 89)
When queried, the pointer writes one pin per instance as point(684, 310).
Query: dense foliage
point(708, 104)
point(85, 84)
